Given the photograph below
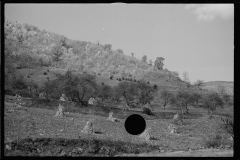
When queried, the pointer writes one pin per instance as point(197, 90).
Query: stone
point(88, 128)
point(145, 135)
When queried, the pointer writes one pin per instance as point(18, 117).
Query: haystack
point(88, 128)
point(145, 135)
point(112, 118)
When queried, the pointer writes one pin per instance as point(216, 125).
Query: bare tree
point(186, 79)
point(199, 83)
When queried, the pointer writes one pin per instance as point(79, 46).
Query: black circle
point(135, 124)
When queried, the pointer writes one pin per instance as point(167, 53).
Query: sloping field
point(41, 123)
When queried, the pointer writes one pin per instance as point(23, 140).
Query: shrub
point(147, 111)
point(215, 142)
point(111, 77)
point(44, 73)
point(48, 70)
point(119, 79)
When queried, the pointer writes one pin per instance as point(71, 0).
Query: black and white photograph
point(118, 80)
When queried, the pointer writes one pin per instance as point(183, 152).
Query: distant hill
point(214, 86)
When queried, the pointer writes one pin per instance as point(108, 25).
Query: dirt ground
point(197, 153)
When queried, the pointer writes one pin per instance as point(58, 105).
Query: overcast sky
point(197, 38)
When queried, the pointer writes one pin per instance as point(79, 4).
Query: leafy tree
point(119, 51)
point(227, 99)
point(182, 99)
point(78, 87)
point(127, 90)
point(18, 84)
point(105, 92)
point(145, 93)
point(144, 59)
point(57, 52)
point(107, 47)
point(159, 63)
point(166, 96)
point(195, 98)
point(221, 89)
point(212, 101)
point(48, 88)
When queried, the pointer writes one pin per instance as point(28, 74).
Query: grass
point(74, 147)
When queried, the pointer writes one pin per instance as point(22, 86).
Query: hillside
point(31, 51)
point(214, 86)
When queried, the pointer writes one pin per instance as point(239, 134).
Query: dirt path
point(197, 153)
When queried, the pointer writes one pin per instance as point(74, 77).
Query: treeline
point(79, 87)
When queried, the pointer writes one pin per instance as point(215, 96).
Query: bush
point(44, 73)
point(215, 142)
point(48, 70)
point(147, 111)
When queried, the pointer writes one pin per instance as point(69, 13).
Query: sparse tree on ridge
point(107, 47)
point(199, 83)
point(159, 63)
point(186, 79)
point(144, 59)
point(132, 54)
point(150, 62)
point(119, 51)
